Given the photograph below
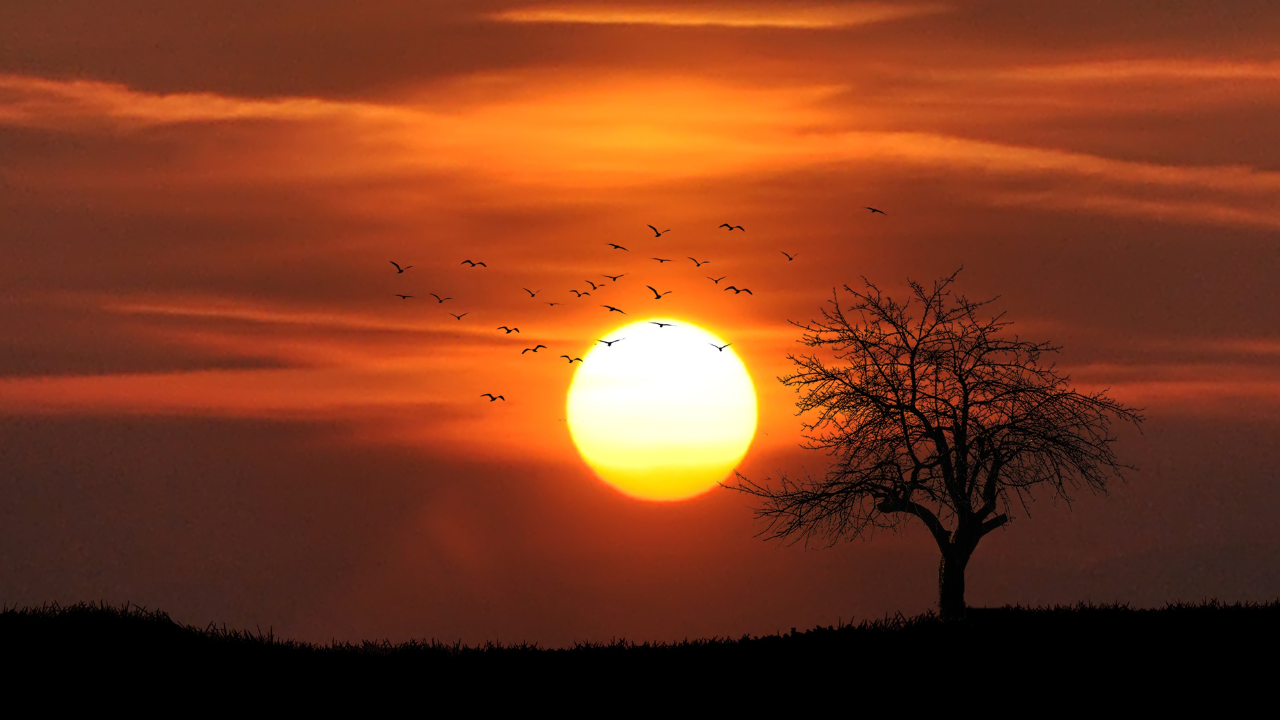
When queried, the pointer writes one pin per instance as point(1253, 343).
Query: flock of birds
point(657, 295)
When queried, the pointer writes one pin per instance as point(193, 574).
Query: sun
point(662, 414)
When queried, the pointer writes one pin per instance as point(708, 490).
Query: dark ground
point(1083, 654)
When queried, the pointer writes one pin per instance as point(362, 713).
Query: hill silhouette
point(1090, 649)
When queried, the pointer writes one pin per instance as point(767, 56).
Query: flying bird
point(612, 309)
point(472, 263)
point(661, 260)
point(460, 316)
point(571, 360)
point(739, 291)
point(609, 343)
point(616, 247)
point(493, 397)
point(615, 277)
point(398, 268)
point(593, 285)
point(579, 292)
point(696, 263)
point(437, 297)
point(874, 211)
point(531, 292)
point(717, 280)
point(720, 347)
point(657, 295)
point(534, 349)
point(732, 227)
point(657, 233)
point(554, 304)
point(403, 297)
point(660, 324)
point(508, 329)
point(789, 255)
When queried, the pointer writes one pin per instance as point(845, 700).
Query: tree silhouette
point(931, 411)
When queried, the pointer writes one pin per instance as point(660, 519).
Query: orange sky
point(211, 402)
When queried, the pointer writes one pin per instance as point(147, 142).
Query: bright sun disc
point(662, 415)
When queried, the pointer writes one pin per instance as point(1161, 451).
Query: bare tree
point(933, 412)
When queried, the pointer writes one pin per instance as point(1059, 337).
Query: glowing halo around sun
point(662, 415)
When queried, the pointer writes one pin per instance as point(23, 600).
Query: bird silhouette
point(531, 292)
point(612, 309)
point(657, 233)
point(533, 349)
point(403, 297)
point(508, 329)
point(696, 263)
point(437, 297)
point(460, 316)
point(661, 260)
point(717, 280)
point(571, 360)
point(732, 227)
point(720, 347)
point(660, 324)
point(874, 211)
point(593, 285)
point(398, 268)
point(579, 292)
point(615, 277)
point(739, 291)
point(493, 397)
point(472, 263)
point(609, 343)
point(789, 255)
point(554, 304)
point(616, 247)
point(657, 295)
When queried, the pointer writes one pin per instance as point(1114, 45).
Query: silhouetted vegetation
point(933, 411)
point(1203, 640)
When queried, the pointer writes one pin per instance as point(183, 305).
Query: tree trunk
point(951, 582)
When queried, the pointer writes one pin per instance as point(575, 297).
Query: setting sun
point(662, 414)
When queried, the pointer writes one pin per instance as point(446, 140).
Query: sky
point(212, 403)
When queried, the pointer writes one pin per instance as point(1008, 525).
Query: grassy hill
point(1080, 650)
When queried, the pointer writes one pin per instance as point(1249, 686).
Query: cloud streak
point(789, 16)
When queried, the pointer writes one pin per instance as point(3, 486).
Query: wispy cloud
point(797, 16)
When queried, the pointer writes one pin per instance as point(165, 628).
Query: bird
point(717, 280)
point(459, 316)
point(657, 295)
point(403, 297)
point(579, 292)
point(493, 397)
point(437, 297)
point(534, 349)
point(593, 285)
point(789, 255)
point(398, 268)
point(612, 309)
point(571, 360)
point(720, 347)
point(615, 277)
point(696, 263)
point(874, 211)
point(472, 263)
point(508, 329)
point(660, 324)
point(732, 227)
point(554, 304)
point(657, 233)
point(616, 247)
point(661, 260)
point(738, 291)
point(531, 292)
point(609, 343)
